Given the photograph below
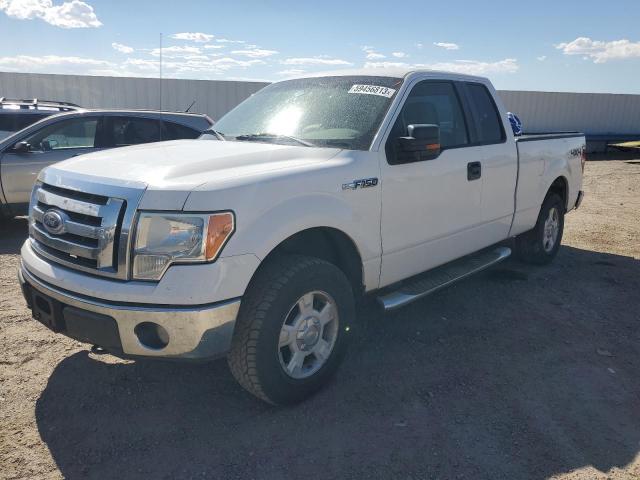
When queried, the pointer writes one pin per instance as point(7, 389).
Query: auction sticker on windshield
point(373, 90)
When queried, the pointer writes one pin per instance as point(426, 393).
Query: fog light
point(152, 335)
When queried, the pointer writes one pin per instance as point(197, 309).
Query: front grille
point(88, 239)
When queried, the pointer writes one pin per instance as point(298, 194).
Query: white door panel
point(499, 174)
point(422, 204)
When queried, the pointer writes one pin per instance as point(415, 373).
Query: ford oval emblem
point(53, 222)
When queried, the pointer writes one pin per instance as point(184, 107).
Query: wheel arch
point(329, 244)
point(560, 186)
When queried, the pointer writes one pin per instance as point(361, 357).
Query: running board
point(442, 276)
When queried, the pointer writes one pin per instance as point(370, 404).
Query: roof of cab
point(392, 72)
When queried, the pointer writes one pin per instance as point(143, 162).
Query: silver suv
point(65, 135)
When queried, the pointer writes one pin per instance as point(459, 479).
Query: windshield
point(343, 112)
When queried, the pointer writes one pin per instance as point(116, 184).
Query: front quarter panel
point(272, 206)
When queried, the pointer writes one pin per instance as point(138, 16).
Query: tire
point(285, 292)
point(539, 246)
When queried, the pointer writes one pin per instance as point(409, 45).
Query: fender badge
point(362, 183)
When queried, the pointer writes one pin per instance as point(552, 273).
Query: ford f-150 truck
point(257, 240)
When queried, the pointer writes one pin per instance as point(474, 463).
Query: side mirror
point(21, 147)
point(422, 143)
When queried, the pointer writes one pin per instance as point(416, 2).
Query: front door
point(50, 144)
point(429, 208)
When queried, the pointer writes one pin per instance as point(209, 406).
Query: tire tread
point(260, 295)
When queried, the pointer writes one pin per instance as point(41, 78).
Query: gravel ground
point(519, 372)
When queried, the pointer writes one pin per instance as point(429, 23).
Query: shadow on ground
point(520, 372)
point(13, 233)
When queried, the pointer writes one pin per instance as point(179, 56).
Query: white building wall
point(594, 114)
point(214, 98)
point(591, 113)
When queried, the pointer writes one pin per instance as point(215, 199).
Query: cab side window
point(73, 133)
point(433, 103)
point(489, 128)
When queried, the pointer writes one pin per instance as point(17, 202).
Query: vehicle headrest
point(420, 113)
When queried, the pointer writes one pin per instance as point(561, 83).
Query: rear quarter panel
point(542, 161)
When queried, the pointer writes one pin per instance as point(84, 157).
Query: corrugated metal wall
point(591, 113)
point(595, 114)
point(214, 98)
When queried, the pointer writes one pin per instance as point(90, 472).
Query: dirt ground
point(519, 373)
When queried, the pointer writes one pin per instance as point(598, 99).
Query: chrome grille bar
point(66, 246)
point(69, 204)
point(87, 240)
point(75, 228)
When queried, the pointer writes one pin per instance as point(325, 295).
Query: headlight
point(163, 239)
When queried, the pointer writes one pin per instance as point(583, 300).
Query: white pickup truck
point(257, 240)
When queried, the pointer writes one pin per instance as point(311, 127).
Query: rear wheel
point(541, 244)
point(292, 328)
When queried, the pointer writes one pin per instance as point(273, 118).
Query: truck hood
point(182, 165)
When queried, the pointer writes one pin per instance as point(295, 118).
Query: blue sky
point(563, 45)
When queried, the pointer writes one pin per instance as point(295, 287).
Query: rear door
point(52, 143)
point(496, 152)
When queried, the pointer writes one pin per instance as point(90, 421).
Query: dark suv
point(16, 114)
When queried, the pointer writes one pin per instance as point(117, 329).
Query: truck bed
point(539, 155)
point(532, 137)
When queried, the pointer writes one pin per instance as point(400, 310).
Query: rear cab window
point(488, 127)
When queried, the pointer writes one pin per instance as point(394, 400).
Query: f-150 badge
point(362, 183)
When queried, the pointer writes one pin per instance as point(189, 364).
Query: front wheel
point(292, 328)
point(540, 245)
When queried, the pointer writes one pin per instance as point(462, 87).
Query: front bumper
point(192, 332)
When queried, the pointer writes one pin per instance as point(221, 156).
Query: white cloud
point(291, 72)
point(314, 61)
point(599, 51)
point(371, 53)
point(447, 45)
point(389, 65)
point(122, 48)
point(175, 51)
point(73, 14)
point(209, 47)
point(198, 37)
point(254, 52)
point(399, 54)
point(471, 67)
point(375, 55)
point(45, 63)
point(228, 62)
point(419, 46)
point(226, 40)
point(541, 58)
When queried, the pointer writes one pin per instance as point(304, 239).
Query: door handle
point(474, 170)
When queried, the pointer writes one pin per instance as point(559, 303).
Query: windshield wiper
point(211, 131)
point(265, 136)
